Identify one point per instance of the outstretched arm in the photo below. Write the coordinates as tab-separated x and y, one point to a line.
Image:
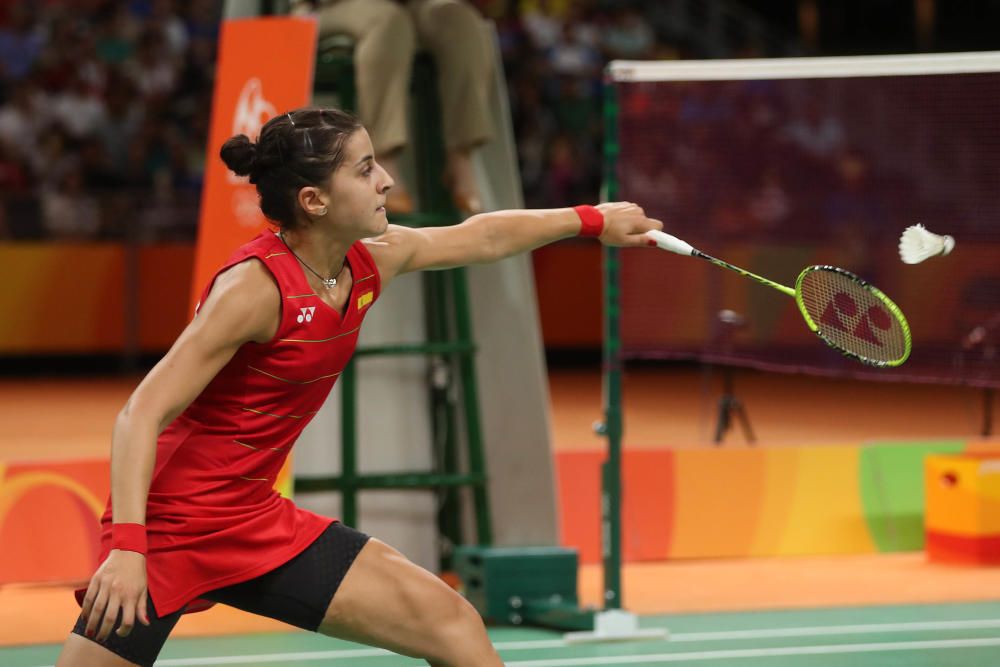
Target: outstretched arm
488	237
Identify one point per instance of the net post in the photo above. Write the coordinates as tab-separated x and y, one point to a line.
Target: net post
612	623
612	370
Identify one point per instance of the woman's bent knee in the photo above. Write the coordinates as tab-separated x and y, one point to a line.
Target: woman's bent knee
461	635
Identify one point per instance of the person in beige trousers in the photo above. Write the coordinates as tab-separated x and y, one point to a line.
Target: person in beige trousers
387	36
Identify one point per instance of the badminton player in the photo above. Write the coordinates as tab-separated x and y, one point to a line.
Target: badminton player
193	517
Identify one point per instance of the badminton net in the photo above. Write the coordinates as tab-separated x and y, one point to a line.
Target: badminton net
780	164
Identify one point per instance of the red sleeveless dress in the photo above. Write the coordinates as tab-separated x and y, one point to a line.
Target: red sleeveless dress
213	518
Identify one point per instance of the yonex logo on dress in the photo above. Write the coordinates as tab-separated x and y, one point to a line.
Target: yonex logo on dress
306	314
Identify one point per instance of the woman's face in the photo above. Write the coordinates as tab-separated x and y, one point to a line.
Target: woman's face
358	188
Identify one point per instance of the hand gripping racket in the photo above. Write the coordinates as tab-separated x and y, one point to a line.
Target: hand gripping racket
847	313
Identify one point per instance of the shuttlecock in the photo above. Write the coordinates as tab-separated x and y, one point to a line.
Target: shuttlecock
917	244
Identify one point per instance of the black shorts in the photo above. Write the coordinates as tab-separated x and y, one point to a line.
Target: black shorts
298	593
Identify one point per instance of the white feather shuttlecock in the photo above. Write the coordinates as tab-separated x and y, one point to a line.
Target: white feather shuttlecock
918	243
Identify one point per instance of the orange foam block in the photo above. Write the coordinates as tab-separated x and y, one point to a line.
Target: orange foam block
962	517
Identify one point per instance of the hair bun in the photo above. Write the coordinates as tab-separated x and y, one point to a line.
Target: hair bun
240	155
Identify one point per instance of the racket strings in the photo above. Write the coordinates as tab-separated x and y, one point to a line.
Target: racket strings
854	317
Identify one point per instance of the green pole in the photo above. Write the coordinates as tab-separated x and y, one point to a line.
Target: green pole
443	419
473	428
612	372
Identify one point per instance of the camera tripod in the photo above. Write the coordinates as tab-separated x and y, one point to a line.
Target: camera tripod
731	408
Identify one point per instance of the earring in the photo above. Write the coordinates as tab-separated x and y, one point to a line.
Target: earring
323	212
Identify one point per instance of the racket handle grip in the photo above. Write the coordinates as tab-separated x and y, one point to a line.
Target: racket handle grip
672	243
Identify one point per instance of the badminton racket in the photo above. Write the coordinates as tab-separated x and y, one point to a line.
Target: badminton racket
846	312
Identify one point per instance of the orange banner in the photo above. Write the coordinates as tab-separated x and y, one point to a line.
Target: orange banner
102	317
49	519
265	67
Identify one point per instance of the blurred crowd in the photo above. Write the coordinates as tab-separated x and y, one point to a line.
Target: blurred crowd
554	53
850	160
104	108
104	105
741	158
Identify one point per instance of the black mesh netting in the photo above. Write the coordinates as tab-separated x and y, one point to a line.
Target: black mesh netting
777	175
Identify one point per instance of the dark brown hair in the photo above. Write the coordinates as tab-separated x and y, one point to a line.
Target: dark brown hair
295	149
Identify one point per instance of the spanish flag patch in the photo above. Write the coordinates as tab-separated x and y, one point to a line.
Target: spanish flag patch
365	299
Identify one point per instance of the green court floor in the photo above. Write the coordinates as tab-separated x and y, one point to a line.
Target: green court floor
955	635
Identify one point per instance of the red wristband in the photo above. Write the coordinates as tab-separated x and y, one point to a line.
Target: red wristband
129	537
591	220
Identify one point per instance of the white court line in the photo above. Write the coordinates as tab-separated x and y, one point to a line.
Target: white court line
305	656
337	654
686	656
340	654
691	656
722	635
827	630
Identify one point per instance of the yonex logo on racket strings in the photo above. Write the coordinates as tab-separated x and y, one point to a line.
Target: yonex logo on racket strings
306	314
844	306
